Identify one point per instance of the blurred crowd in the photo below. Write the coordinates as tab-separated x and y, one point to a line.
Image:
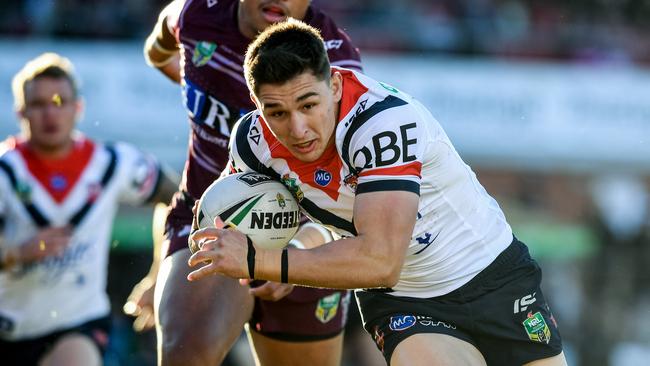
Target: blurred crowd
581	30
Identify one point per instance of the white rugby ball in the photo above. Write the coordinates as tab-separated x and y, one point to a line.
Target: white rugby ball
255	204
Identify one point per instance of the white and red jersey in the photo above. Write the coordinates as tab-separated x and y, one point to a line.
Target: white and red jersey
386	141
81	190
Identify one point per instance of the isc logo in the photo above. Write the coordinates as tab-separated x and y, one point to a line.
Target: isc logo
386	150
322	177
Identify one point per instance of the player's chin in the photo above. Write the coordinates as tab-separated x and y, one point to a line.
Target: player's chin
306	158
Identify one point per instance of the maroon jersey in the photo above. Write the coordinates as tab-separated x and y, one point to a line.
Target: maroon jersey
214	89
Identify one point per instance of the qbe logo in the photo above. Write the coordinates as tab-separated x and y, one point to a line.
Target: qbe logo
322	177
401	322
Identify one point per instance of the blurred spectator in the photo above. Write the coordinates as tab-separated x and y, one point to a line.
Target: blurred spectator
618	275
582	31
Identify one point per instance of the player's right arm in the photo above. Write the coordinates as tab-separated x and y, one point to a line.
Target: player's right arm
46	242
161	49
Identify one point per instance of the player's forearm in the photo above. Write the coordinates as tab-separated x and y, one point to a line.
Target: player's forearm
161	52
344	263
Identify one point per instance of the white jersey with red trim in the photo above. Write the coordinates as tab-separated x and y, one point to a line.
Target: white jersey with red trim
82	190
386	140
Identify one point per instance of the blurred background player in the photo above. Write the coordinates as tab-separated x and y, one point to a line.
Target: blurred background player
59	193
201	45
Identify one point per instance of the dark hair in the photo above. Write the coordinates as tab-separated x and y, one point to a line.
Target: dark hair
49	65
284	51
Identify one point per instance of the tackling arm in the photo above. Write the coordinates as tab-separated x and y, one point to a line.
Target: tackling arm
161	49
373	258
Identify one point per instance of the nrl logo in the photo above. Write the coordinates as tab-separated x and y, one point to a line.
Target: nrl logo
293	187
203	53
281	201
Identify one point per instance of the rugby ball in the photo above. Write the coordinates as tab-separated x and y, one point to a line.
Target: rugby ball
253	203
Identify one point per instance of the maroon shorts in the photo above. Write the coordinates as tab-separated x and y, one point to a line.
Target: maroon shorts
306	314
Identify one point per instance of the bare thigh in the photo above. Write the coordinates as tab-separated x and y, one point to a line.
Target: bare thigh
558	360
315	353
432	349
197	322
73	350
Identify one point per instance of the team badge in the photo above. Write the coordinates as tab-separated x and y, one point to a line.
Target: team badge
58	182
327	307
24	192
351	181
379	338
292	186
203	53
536	328
388	87
322	177
281	202
401	322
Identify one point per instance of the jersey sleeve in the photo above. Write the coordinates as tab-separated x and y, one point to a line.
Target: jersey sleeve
142	173
244	147
165	28
340	49
387	151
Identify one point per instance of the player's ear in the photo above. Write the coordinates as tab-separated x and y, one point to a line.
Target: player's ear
336	85
257	104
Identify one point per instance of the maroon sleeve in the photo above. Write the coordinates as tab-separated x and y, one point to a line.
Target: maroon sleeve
340	49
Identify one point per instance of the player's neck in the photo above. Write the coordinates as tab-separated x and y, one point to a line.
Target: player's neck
51	152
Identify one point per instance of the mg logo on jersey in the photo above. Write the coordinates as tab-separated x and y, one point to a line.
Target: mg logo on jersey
388	148
58	182
522	304
401	322
322	177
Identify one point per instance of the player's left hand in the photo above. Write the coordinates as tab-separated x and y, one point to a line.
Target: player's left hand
269	291
222	251
140	305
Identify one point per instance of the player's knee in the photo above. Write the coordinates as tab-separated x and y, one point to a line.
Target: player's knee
187	346
190	352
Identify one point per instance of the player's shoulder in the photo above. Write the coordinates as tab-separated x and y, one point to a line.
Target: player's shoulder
244	123
362	94
120	153
8	146
340	47
372	108
204	9
246	131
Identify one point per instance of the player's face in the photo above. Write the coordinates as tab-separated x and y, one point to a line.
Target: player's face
302	113
255	15
49	113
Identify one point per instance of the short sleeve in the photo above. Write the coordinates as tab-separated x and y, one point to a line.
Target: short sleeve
141	172
387	151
